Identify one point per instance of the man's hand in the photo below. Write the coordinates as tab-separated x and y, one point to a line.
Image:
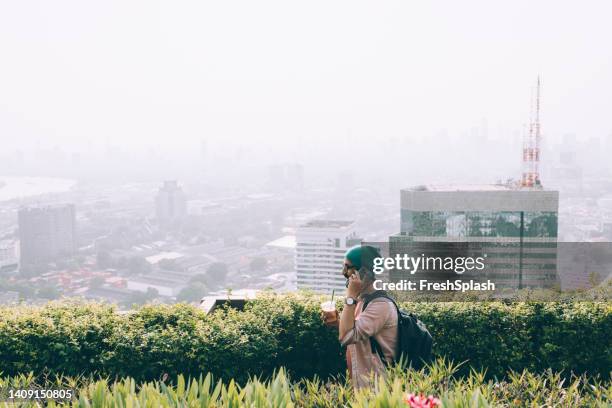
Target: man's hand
354	286
347	319
330	320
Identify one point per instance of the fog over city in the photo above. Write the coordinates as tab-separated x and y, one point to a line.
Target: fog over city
181	136
143	90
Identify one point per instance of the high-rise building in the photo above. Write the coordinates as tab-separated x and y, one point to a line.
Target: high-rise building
515	227
46	233
8	259
319	254
170	203
607	230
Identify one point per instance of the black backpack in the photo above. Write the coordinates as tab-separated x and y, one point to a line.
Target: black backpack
414	343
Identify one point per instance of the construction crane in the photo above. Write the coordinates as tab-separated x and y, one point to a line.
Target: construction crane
531	145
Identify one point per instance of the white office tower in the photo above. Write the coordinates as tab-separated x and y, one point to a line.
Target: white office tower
319	254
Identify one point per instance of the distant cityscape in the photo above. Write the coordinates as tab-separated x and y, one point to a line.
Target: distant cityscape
136	243
172	247
169	241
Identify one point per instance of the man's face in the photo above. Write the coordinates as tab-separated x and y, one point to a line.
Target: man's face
348	269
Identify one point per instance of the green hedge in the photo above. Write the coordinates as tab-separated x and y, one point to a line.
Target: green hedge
569	337
74	339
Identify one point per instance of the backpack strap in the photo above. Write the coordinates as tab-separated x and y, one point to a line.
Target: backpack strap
375	295
374	346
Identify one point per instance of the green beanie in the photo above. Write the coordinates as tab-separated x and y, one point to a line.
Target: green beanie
362	256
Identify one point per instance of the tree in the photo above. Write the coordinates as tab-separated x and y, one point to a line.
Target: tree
104	260
200	277
62	264
152	293
32	270
96	282
79	260
169	265
49	292
192	293
258	264
25	290
138	266
140	298
216	273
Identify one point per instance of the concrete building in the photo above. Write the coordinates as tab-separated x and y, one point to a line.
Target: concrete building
170	203
46	233
164	284
319	254
607	230
8	258
517	228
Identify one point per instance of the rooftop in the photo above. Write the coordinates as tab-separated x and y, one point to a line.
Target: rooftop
158	281
46	207
468	187
153	259
327	224
478	197
287	241
104	293
236	299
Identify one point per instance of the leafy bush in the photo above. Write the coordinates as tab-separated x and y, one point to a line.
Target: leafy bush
439	381
274	331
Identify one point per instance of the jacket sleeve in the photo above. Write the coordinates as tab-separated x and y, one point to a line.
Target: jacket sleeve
368	323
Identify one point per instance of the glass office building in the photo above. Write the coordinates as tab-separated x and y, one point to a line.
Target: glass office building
516	228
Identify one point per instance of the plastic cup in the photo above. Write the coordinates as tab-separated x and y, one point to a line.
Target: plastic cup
329	309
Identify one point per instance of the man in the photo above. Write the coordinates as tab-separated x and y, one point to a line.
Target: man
357	326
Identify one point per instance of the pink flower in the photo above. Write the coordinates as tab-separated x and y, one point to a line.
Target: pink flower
421	401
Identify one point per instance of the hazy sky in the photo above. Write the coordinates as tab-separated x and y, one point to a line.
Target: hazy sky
171	73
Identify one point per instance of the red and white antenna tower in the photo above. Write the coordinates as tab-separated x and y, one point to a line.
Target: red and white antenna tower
531	146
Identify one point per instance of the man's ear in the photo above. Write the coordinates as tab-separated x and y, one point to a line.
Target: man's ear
365	273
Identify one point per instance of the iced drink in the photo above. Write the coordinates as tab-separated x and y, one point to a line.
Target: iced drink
329	309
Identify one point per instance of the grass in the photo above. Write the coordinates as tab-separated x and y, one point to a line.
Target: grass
518	389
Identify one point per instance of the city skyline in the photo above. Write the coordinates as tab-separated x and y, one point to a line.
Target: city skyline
197	142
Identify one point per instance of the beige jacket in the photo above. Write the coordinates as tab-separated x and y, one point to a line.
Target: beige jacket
378	320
